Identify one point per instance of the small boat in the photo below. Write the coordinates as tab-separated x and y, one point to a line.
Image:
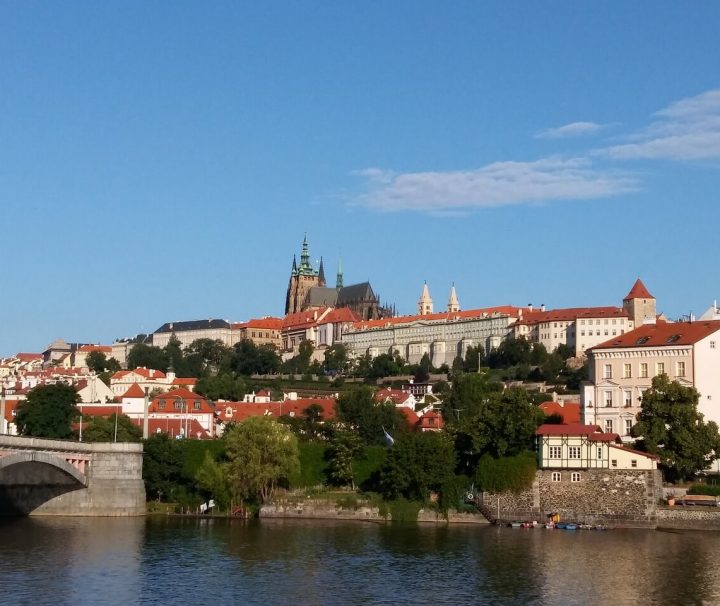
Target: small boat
560	525
515	524
570	526
549	525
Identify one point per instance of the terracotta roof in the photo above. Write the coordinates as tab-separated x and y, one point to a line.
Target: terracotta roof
397	396
569	411
638	291
663	335
29	357
95	410
571	314
135	391
341	314
592	432
243	410
184	381
146	373
186	396
265	323
453	316
302	319
410	416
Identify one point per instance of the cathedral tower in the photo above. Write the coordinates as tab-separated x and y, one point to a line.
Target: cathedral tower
425	304
453	303
302	279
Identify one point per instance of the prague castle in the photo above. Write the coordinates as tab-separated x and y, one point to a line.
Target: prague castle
307	289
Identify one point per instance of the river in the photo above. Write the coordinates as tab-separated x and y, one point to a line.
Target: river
295	562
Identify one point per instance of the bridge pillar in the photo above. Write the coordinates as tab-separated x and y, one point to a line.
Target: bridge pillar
53	477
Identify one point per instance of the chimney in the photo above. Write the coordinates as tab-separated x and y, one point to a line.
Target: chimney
530	306
542	306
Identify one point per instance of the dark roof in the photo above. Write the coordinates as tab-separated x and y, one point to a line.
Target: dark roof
192	325
321	296
355	292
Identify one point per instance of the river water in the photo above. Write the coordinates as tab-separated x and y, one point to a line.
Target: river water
294	562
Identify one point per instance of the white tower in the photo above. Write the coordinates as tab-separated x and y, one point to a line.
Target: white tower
453	303
425	304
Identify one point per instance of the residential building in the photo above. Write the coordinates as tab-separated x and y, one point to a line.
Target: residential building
81	354
621	369
148	378
182	404
261	331
583	446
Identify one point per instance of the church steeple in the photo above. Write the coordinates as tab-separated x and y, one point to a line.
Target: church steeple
321	273
453	303
305	267
339	276
425	304
294	267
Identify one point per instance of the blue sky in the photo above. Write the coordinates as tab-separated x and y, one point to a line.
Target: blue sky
161	161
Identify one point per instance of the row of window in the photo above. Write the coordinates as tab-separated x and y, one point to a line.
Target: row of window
597	332
555	452
178	405
643	370
610	426
597	322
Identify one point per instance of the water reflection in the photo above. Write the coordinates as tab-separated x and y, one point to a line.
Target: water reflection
190	561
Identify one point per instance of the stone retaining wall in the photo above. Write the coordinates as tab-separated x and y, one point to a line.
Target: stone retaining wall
617	498
689	518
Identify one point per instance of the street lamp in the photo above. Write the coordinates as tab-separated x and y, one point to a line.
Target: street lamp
183	407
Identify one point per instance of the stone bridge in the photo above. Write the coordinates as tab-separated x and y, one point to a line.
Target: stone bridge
55	477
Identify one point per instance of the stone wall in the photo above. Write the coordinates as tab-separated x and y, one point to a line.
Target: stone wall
40	481
617	498
689	518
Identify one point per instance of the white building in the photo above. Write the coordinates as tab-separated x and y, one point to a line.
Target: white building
621	369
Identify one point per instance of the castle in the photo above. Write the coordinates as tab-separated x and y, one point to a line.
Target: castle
307	289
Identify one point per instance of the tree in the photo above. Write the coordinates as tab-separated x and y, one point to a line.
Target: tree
208	357
102	429
336	359
249	359
147	356
424	368
467	395
670	426
357	409
261	454
473	358
221	387
48	411
344	448
384	365
213	481
418	463
163	467
98	362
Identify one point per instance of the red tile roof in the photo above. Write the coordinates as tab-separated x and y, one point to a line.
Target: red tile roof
410	416
243	410
28	357
185	396
569	411
341	314
453	316
592	432
663	335
570	314
135	391
100	348
638	291
396	396
184	381
146	373
303	319
95	410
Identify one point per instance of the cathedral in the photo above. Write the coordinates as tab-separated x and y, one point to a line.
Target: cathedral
307	289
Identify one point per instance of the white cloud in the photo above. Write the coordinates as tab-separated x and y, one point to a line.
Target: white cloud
574	129
497	184
686	130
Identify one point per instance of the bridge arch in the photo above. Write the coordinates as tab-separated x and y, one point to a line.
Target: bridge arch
43	458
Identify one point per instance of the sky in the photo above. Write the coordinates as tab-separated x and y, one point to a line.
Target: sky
162	161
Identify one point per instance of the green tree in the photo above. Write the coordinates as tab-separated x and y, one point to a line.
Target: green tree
98	362
102	429
418	463
249	359
336	359
221	387
474	357
212	479
467	394
163	467
208	357
358	410
147	356
261	454
344	448
384	365
48	411
510	353
670	426
423	370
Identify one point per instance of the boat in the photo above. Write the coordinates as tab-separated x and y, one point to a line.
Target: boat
560	525
570	526
515	524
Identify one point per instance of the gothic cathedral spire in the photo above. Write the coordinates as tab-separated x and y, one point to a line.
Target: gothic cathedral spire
453	303
425	304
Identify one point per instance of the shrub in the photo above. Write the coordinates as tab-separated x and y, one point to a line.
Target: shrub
513	474
706	489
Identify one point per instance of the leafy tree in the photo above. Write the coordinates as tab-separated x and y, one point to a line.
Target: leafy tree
98	362
48	411
357	409
473	358
221	387
384	365
102	429
148	356
670	426
510	353
423	370
418	463
249	359
564	351
176	358
363	366
261	454
213	481
538	355
467	395
163	467
336	359
208	356
516	473
344	448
